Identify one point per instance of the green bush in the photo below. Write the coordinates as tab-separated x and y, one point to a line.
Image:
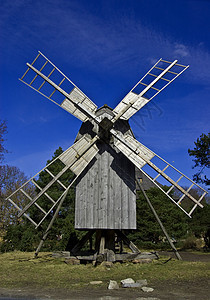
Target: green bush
189	243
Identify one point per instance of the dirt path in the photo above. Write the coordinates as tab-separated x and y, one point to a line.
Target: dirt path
185	290
188	256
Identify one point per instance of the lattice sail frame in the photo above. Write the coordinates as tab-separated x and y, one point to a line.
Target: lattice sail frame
141	156
75	101
135	100
76	158
44	77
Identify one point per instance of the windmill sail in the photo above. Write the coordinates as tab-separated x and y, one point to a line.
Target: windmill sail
109	182
45	78
155	80
75	158
142	156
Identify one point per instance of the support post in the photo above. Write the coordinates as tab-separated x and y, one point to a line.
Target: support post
130	244
51	223
81	243
159	221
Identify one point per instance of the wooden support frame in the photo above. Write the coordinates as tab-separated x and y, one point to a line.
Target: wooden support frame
81	243
130	244
51	222
159	221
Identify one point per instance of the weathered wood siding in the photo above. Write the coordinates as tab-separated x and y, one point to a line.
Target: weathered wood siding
105	193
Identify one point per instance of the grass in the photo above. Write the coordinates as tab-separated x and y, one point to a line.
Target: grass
19	269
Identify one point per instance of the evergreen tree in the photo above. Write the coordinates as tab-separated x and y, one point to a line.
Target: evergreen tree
24	237
201	153
200	224
148	229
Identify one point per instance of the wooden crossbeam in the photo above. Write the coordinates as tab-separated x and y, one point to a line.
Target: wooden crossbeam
36	204
51	174
43	190
34	182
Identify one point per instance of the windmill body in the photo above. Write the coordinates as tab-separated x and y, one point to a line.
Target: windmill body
106	189
104	155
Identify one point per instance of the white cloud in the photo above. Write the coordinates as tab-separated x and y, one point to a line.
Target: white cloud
82	38
181	50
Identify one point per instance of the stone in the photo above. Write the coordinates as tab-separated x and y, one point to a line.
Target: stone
99	258
113	285
59	254
107	264
110	255
96	282
147	289
72	261
94	263
143	282
131	285
127	280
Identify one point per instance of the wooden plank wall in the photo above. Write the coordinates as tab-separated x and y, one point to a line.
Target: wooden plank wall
106	193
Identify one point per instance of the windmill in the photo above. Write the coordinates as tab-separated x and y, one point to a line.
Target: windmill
103	157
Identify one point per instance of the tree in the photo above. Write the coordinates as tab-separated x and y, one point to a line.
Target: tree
23	236
11	179
64	223
201	152
200	224
148	229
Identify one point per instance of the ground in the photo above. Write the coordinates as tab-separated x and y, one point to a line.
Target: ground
169	289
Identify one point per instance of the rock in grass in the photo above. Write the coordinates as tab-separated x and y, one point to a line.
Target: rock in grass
107	264
72	261
127	280
96	282
113	285
143	282
131	285
147	289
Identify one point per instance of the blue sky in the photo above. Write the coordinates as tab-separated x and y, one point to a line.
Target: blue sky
104	47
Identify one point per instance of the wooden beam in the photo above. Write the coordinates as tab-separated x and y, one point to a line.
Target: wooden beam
159	221
130	244
81	243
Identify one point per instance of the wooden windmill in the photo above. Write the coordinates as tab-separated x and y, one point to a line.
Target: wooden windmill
104	156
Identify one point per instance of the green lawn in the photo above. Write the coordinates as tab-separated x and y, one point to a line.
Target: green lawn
19	269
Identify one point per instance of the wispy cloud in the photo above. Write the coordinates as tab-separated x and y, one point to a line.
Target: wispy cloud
82	37
181	50
176	126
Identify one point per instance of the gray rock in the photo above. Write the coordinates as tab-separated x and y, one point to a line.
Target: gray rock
72	261
96	282
107	264
147	289
127	280
113	285
65	254
143	282
131	285
110	255
99	258
94	263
